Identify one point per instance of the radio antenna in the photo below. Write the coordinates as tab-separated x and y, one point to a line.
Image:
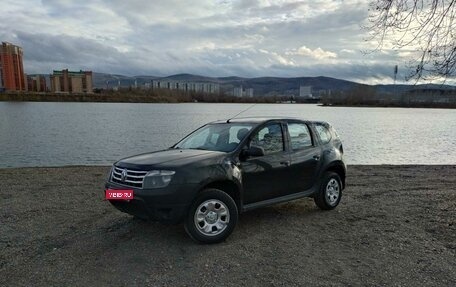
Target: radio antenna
240	113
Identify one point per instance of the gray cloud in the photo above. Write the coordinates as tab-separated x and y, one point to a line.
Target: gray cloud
217	38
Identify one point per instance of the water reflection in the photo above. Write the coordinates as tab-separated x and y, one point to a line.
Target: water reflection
54	134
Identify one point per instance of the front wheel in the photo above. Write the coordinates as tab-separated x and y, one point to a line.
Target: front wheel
330	193
212	216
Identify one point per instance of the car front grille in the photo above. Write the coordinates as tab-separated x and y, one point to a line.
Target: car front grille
128	177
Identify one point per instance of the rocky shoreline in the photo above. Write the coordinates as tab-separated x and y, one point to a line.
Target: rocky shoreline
396	225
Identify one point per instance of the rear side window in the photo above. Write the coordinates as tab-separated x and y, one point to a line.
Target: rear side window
269	138
299	136
323	133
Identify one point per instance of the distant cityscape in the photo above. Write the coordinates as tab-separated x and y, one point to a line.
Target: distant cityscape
13	78
326	90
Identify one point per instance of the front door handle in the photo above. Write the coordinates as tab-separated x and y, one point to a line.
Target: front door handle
285	163
316	157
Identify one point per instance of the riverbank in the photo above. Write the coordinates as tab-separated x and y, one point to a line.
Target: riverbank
396	225
142	96
418	97
177	97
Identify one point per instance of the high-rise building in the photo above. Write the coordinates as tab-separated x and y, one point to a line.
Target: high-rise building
12	76
240	92
71	82
237	92
305	91
248	92
1	79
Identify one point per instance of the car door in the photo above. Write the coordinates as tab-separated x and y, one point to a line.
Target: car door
305	156
265	177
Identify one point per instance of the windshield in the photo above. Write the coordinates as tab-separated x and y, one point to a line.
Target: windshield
216	137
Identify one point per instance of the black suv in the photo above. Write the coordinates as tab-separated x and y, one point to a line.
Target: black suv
228	167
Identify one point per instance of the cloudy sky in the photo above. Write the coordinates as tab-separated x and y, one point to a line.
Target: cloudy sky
249	38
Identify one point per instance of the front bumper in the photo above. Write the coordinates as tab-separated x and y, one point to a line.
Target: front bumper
167	205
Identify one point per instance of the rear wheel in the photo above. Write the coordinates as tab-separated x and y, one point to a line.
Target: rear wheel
330	193
212	217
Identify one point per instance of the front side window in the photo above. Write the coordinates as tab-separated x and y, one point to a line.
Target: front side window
216	137
324	133
299	136
270	138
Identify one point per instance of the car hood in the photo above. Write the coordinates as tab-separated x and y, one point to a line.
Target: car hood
167	157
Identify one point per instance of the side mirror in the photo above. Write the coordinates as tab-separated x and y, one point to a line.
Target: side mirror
254	151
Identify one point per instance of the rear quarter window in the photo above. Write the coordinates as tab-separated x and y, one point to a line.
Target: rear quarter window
323	132
299	136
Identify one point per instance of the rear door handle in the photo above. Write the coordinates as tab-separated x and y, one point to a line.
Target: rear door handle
285	163
316	157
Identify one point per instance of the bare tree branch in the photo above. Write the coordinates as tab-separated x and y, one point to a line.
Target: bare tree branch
425	26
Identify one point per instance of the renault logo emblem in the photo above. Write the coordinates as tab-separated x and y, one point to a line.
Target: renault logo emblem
123	175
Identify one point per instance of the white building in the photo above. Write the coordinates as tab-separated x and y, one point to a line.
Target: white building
210	88
305	91
240	92
248	92
237	92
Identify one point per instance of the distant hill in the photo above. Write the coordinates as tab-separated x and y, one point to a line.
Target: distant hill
190	78
262	86
288	86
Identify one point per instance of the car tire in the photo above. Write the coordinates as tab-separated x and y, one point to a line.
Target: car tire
330	192
211	217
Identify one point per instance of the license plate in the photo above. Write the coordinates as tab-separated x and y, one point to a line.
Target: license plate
119	194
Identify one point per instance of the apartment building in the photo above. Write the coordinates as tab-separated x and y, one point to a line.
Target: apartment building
12	77
204	87
71	82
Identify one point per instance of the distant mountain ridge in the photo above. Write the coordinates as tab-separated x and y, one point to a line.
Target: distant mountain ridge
262	86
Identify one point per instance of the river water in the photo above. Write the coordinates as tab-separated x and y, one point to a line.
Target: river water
57	134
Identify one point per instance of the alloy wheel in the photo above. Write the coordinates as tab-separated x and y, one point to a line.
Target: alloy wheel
211	217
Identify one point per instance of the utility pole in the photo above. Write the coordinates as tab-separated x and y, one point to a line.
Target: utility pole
395	74
395	86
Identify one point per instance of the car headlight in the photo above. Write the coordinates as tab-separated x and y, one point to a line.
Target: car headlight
158	178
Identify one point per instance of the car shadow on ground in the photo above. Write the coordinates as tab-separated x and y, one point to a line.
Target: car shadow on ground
128	228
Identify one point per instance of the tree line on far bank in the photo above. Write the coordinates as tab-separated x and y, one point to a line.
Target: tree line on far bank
359	95
131	95
364	95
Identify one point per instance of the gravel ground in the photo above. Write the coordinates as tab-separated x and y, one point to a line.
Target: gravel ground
395	226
